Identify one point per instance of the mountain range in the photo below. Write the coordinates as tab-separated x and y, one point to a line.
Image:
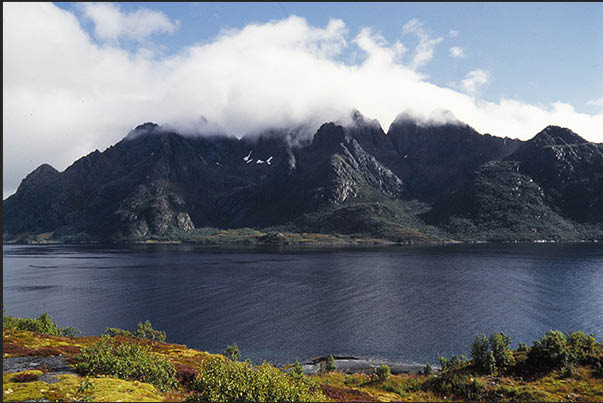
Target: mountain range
419	182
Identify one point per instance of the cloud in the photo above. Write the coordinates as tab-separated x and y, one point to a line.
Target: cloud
474	80
425	48
596	102
110	23
280	73
457	52
453	34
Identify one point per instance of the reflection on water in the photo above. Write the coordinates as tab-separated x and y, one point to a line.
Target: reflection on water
404	303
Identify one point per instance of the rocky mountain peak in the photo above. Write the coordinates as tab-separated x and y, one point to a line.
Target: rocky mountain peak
555	135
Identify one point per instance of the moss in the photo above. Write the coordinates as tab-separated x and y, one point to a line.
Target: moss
104	390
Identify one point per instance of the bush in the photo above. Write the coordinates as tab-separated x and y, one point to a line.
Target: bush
382	373
233	352
460	386
328	366
297	370
43	324
455	362
225	380
145	331
114	331
483	359
125	361
551	352
499	344
582	346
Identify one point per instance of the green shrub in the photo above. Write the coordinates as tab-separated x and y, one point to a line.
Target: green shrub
43	324
460	386
233	352
297	370
114	331
582	346
455	362
483	359
550	353
225	381
125	361
145	331
382	373
328	366
499	344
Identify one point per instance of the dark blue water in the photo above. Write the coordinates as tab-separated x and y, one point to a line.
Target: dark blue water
407	304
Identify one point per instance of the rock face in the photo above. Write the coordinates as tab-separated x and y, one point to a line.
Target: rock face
350	179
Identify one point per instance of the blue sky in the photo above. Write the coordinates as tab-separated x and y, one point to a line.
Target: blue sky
78	76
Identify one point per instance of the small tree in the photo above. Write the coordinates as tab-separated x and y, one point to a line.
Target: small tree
233	352
382	373
499	343
328	366
483	361
145	331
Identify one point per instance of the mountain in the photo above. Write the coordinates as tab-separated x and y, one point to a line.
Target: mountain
417	182
551	187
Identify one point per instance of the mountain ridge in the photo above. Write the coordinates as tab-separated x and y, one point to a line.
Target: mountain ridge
412	183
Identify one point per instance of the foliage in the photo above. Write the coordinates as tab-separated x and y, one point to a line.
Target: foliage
233	351
328	366
382	373
459	385
550	352
427	370
145	331
500	346
297	370
582	345
86	390
455	362
43	324
491	355
483	361
125	361
225	380
114	331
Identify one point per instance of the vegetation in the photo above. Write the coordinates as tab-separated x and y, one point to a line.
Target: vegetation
382	373
43	324
557	367
143	331
226	380
125	361
328	365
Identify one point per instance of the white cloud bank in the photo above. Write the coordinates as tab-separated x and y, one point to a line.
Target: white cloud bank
65	95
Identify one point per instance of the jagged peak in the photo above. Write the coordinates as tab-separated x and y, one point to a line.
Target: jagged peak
556	135
437	118
145	128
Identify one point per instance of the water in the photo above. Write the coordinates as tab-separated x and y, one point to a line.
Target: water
407	304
